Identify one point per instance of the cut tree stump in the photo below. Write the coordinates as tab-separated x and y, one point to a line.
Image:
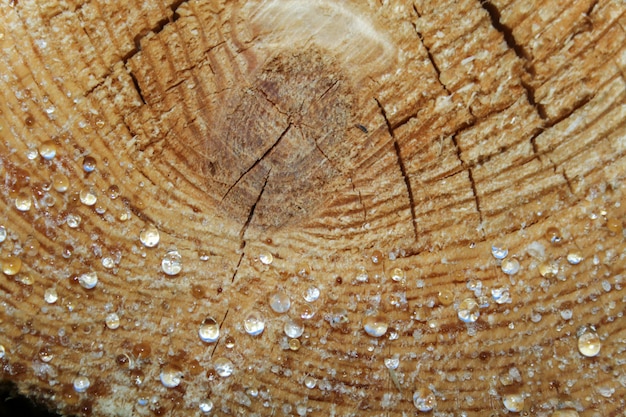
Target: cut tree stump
321	208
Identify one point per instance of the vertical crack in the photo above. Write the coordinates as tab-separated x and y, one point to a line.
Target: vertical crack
242	233
471	178
360	200
530	95
430	55
137	88
407	181
218	340
569	183
476	200
507	34
243	253
533	143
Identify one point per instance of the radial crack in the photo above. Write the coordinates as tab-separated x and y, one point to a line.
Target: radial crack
267	152
405	176
476	198
360	200
507	32
242	247
242	233
569	183
218	340
137	88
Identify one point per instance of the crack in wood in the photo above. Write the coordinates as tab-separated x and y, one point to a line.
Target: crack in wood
568	182
360	199
507	34
332	165
218	340
429	54
242	233
405	176
468	168
267	152
476	198
156	29
506	31
137	88
243	253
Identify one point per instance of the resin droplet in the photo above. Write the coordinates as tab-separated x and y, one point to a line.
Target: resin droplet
310	382
614	225
424	399
510	266
224	367
307	312
554	236
254	324
113	192
45	354
2	351
468	310
445	297
31	246
311	294
3	234
209	330
112	321
88	280
11	265
338	318
375	325
229	342
548	269
50	295
589	344
48	150
513	402
392	363
60	182
266	258
171	376
294	344
498	252
397	274
172	263
89	164
574	258
142	350
87	197
150	236
206	406
73	220
280	302
81	383
501	295
293	328
23	202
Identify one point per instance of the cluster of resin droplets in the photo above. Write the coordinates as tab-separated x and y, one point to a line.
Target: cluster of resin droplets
373	323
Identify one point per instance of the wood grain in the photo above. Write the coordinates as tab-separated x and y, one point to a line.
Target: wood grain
345	140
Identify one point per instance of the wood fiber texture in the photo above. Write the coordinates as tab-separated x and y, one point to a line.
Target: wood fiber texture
380	152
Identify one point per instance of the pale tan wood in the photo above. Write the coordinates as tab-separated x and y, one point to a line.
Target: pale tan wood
326	134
